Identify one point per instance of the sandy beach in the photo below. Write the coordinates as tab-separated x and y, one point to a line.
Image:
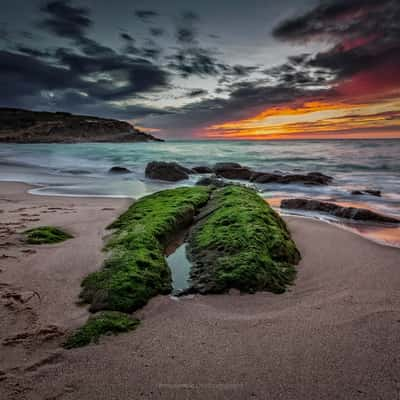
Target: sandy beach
333	335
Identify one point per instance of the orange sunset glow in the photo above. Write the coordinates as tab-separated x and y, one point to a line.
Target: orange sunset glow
316	120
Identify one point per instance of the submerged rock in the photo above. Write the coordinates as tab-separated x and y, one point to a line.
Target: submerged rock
119	170
167	171
359	214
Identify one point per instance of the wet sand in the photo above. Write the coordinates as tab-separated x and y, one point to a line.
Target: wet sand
334	335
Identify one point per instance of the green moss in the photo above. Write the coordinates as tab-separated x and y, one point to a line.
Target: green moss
107	322
243	244
135	269
46	235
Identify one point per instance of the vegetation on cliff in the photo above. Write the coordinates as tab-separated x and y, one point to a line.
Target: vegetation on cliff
24	126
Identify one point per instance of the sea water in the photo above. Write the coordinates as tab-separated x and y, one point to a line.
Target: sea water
82	169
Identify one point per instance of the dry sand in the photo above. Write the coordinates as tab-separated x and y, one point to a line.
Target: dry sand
334	335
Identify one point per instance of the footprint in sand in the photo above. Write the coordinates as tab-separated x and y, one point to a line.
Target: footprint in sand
29	251
38	336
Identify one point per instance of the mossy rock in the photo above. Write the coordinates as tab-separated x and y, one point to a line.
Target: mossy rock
243	243
135	269
104	323
46	235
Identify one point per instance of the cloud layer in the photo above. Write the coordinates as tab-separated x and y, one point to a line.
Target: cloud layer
174	77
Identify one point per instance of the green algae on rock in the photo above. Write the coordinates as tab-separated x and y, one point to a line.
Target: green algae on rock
135	269
103	323
46	235
242	243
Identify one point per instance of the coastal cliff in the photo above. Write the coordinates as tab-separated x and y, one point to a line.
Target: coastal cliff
23	126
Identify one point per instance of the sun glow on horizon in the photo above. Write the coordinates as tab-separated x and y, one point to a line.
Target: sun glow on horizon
316	119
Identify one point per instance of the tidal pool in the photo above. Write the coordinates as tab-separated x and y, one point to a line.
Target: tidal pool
180	269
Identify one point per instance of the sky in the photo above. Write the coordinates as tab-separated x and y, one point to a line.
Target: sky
226	69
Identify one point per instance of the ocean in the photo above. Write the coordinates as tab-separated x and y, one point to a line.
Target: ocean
82	169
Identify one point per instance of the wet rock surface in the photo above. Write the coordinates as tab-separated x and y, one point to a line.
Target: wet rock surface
376	193
166	171
119	170
172	171
359	214
212	181
312	178
202	169
232	171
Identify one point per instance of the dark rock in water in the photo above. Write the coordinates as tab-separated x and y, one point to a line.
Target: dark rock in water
226	165
264	177
359	214
202	169
313	178
211	181
119	170
232	171
376	193
166	171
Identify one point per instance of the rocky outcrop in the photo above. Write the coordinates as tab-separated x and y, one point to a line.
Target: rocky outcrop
237	171
23	126
376	193
312	178
202	169
238	241
212	181
232	171
359	214
166	171
119	170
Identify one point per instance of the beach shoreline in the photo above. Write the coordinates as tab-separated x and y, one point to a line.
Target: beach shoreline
333	335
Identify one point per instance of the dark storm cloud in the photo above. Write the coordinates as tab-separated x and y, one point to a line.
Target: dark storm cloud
195	61
65	20
243	71
23	75
245	99
157	32
128	38
186	31
365	35
28	82
146	15
338	18
126	75
4	34
33	52
197	93
89	75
